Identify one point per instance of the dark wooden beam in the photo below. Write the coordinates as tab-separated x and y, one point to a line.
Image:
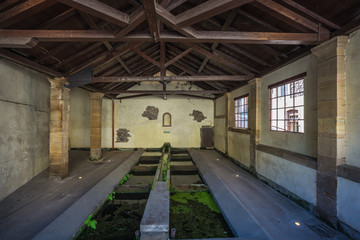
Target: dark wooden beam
260	21
312	14
207	10
184	53
50	53
153	22
229	58
225	27
205	78
162	59
170	20
136	18
100	10
22	11
134	96
201	37
156	63
28	63
167	92
175	4
57	19
247	54
293	16
7	3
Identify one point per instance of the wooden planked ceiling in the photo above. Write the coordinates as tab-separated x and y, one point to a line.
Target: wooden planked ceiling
217	45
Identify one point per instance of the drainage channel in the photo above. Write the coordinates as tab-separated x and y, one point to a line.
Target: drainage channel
162	197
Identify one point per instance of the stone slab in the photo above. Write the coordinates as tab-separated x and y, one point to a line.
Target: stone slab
156	215
70	221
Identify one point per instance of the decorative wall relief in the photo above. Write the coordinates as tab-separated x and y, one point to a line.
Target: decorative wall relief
122	135
198	116
151	112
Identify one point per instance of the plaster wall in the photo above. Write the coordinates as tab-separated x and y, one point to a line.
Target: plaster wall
219	124
305	143
348	198
294	177
79	120
239	147
24	125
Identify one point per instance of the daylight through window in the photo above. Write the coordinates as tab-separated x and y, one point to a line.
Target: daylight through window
241	112
287	105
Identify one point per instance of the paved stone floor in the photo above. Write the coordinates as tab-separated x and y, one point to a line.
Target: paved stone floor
24	213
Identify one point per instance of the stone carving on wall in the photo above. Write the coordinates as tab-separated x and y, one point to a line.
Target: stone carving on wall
198	116
122	135
151	112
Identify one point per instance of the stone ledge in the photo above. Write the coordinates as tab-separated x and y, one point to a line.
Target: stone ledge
239	130
349	172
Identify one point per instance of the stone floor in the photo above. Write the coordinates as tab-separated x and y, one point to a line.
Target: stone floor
27	211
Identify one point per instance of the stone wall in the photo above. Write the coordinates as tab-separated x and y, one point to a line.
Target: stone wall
24	125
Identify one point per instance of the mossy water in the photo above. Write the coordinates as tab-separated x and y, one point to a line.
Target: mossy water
116	221
196	215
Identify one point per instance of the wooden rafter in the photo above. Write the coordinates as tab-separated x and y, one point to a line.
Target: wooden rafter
153	23
206	10
100	10
167	92
136	18
22	11
184	53
156	63
57	19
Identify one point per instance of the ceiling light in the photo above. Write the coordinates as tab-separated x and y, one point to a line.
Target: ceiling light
297	224
80	177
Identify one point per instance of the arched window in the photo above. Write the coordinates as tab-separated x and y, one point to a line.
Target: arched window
166	120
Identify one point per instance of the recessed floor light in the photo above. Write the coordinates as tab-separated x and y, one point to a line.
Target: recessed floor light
80	177
297	224
236	175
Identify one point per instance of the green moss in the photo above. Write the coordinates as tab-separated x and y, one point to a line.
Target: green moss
201	197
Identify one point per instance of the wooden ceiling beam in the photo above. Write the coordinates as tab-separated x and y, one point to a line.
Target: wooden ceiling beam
28	63
22	11
7	3
136	18
225	27
57	19
170	20
153	22
156	63
50	53
247	54
207	10
179	56
100	10
198	78
90	21
162	59
260	21
175	4
201	37
312	14
229	58
293	16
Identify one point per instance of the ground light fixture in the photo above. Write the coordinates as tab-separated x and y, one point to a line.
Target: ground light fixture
297	223
80	177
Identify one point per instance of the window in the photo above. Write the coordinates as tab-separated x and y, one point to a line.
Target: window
167	120
287	105
241	112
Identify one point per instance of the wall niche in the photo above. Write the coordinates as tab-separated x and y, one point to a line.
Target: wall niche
166	120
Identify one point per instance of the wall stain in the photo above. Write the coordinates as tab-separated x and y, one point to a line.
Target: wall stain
151	113
122	135
198	115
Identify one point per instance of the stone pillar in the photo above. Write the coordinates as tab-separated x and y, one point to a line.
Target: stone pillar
331	123
95	125
254	119
227	120
59	129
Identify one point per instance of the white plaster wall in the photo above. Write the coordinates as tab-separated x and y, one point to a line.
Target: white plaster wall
79	120
348	199
239	147
353	100
294	177
24	125
301	143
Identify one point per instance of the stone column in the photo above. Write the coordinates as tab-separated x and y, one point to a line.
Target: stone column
59	128
95	125
254	119
227	120
331	123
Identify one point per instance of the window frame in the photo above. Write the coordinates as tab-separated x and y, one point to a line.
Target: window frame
247	111
293	107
